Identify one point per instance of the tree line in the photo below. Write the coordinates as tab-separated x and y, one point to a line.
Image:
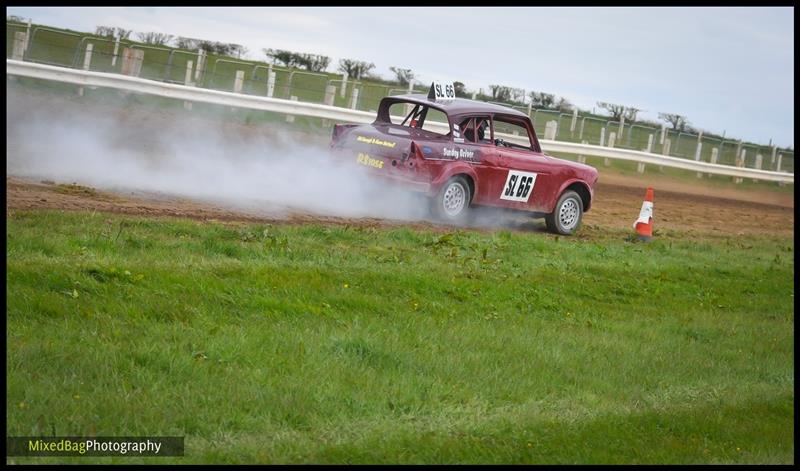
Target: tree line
163	39
360	70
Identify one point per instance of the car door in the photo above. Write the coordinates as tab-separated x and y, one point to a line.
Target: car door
485	159
525	173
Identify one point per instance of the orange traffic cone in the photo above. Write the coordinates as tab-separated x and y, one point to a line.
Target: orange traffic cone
644	225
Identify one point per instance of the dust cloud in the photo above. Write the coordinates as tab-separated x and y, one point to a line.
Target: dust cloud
140	149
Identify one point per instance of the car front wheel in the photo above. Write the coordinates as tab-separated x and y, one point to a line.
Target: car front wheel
451	204
566	216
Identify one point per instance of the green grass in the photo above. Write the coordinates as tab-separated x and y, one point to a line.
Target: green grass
341	344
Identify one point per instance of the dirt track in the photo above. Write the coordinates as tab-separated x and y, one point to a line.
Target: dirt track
616	207
679	205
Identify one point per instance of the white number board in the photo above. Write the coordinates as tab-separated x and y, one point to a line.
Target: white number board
519	186
441	91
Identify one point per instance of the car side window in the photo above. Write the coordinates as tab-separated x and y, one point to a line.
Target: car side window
476	130
467	127
414	115
483	129
436	122
510	132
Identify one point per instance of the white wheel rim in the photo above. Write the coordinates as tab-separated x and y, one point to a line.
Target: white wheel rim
454	199
568	214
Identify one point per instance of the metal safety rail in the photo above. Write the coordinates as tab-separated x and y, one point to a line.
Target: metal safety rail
290	107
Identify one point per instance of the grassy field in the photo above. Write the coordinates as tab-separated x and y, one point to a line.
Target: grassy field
349	344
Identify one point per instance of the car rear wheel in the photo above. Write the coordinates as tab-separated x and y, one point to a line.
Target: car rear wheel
566	216
451	204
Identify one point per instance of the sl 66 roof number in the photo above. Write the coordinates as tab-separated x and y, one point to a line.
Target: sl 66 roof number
444	91
519	186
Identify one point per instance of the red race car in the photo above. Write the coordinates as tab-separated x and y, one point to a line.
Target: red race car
462	153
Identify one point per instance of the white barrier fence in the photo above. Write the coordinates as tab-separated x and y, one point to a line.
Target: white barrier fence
276	105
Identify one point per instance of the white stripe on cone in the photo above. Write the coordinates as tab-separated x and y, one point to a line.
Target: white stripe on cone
645	214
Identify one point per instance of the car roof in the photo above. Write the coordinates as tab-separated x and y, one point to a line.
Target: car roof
459	106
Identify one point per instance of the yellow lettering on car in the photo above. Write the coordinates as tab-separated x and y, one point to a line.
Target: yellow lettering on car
365	159
376	141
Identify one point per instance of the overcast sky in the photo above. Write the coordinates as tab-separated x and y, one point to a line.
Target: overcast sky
726	69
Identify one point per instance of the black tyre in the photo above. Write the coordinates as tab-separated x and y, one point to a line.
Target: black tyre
451	204
566	216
